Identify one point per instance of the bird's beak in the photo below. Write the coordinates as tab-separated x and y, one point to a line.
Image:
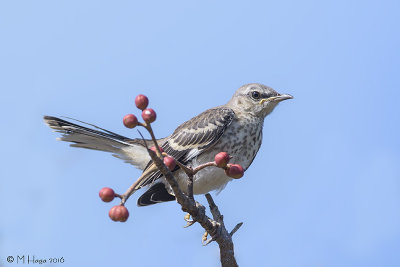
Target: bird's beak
277	98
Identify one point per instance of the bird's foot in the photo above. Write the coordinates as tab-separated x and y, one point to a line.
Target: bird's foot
214	235
204	239
189	222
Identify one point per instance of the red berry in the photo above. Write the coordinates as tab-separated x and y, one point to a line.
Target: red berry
130	121
235	171
113	213
141	102
222	159
106	194
170	162
149	115
119	213
155	150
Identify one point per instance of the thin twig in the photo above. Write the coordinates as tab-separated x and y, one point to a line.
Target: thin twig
190	186
236	228
202	166
134	186
150	130
214	209
187	169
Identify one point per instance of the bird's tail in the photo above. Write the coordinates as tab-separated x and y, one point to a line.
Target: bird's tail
131	150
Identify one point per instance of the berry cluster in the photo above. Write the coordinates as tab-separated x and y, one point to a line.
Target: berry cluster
148	114
117	213
120	212
235	171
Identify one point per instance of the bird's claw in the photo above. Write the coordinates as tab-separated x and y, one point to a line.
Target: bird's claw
189	222
214	236
187	217
204	239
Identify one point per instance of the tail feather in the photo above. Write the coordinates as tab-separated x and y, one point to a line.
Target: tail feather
155	194
131	150
85	137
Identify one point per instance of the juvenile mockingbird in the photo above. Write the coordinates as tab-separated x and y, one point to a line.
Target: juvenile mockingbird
235	127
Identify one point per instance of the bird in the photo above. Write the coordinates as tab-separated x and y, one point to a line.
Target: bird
235	127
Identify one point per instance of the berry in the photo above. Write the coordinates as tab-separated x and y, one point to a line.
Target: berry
222	159
113	214
130	121
235	171
106	194
149	115
119	213
155	150
170	162
141	102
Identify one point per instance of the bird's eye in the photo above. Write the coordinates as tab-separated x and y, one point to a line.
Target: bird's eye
255	95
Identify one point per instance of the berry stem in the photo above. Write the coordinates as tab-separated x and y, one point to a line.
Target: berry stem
133	187
153	137
187	169
190	172
205	165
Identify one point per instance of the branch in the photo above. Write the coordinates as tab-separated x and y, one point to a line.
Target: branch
215	226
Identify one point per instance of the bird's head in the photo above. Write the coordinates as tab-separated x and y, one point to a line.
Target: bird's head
256	99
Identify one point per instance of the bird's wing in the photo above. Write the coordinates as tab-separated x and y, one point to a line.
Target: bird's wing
198	134
194	137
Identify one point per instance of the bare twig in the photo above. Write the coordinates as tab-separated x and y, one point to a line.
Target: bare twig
214	209
150	130
134	186
236	228
190	186
187	169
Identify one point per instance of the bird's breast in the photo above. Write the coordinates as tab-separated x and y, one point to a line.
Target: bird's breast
241	141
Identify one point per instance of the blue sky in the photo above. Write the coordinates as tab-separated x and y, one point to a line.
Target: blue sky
324	189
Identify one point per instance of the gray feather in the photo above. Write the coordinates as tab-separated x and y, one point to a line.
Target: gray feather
132	151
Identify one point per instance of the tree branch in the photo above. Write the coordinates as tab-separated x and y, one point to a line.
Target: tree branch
215	227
